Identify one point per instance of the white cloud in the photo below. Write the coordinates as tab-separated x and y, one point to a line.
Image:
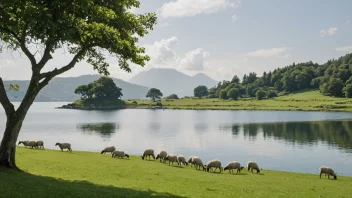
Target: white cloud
267	52
344	49
186	8
329	32
234	18
194	60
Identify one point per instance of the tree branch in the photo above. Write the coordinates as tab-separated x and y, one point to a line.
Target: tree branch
4	100
47	76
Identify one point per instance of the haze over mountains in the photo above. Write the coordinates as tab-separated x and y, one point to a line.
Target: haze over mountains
171	81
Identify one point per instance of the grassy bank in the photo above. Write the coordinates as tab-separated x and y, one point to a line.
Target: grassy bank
83	174
305	101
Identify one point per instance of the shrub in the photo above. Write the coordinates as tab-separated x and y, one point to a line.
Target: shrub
233	93
223	94
272	94
260	94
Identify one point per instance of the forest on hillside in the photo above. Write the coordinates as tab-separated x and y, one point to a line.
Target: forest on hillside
334	78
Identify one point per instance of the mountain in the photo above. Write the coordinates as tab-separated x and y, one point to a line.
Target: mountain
171	81
62	89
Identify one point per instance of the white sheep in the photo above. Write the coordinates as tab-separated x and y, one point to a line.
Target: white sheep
328	171
233	165
119	154
148	153
25	143
213	164
171	158
31	144
197	162
39	144
64	146
181	160
190	160
253	165
162	155
108	149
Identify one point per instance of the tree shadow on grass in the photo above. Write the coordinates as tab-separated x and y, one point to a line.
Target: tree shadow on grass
21	184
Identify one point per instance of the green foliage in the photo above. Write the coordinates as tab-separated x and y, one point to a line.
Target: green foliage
200	91
14	87
348	91
233	93
154	93
223	94
333	87
103	88
271	94
89	174
172	97
260	94
235	79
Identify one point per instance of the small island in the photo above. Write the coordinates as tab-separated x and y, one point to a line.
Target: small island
102	94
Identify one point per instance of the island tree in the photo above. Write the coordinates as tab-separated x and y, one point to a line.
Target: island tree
154	93
103	88
88	30
200	91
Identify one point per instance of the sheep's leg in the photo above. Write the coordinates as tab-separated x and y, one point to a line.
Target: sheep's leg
328	175
320	174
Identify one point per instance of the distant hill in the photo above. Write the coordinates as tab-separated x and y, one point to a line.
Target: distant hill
62	89
171	81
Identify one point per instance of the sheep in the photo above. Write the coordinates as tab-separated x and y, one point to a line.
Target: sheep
108	149
328	171
162	155
253	165
64	146
197	162
181	160
233	165
190	160
119	154
213	164
31	144
39	144
25	143
171	158
148	153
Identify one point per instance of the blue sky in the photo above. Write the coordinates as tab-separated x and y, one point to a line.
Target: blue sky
222	38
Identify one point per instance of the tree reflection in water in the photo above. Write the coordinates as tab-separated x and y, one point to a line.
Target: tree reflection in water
105	130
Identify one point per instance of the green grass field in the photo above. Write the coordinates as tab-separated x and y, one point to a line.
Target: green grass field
52	173
305	101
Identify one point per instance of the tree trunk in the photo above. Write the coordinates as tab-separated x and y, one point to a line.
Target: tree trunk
8	143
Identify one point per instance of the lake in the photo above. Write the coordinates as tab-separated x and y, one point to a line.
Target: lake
279	140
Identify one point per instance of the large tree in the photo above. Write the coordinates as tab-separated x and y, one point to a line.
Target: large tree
87	29
103	88
154	93
200	91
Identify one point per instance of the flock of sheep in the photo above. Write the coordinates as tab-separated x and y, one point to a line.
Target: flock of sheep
180	159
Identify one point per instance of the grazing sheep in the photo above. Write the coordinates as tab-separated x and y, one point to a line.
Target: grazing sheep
190	160
148	153
171	158
213	164
39	144
119	154
31	144
253	165
162	155
25	143
181	160
108	149
197	162
64	146
233	165
328	171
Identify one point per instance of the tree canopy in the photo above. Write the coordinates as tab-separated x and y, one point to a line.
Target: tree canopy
154	93
200	91
89	30
103	88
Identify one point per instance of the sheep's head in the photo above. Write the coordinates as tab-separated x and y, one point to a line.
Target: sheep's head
57	144
158	156
127	156
242	167
226	168
142	157
20	142
258	170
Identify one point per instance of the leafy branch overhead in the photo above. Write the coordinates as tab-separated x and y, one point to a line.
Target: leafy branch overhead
13	87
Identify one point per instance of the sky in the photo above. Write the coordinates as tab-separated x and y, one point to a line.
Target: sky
223	38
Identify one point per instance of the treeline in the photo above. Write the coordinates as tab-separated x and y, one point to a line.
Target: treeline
333	78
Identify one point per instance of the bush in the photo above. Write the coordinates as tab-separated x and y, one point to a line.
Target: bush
134	103
233	93
260	94
272	94
172	96
348	91
223	94
159	104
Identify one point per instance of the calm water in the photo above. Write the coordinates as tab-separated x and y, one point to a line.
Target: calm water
289	141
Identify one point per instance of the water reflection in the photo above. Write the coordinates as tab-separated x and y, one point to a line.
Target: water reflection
105	130
334	133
